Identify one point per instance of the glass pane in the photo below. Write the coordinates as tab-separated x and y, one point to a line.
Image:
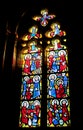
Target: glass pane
31	87
30	113
58	112
57	60
57	85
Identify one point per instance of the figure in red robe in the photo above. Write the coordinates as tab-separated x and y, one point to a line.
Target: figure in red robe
65	113
63	65
24	118
28	93
50	116
50	61
38	62
60	90
37	110
27	64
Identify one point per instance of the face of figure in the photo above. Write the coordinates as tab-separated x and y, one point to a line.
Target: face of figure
60	82
44	16
55	103
34	30
52	77
24	104
54	59
50	109
33	58
63	74
26	78
36	78
39	57
28	56
64	102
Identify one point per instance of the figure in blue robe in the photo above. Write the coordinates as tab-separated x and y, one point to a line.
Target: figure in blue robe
36	91
34	120
33	65
57	117
52	91
54	66
24	88
33	47
33	32
57	31
65	82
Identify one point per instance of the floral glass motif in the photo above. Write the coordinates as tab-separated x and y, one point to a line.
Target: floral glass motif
55	30
30	60
58	113
33	33
44	18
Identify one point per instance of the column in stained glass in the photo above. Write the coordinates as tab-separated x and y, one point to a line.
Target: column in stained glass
58	103
30	59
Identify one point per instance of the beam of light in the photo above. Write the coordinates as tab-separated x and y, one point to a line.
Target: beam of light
14	57
4	54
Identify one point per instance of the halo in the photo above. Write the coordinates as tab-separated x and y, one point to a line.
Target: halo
35	77
64	52
59	81
36	102
33	27
55	41
51	76
26	77
61	102
27	104
38	57
52	53
32	42
55	101
28	55
44	11
53	25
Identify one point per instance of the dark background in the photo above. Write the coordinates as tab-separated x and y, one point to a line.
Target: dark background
69	14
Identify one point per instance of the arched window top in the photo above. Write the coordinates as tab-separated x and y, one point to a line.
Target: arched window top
33	33
55	30
43	19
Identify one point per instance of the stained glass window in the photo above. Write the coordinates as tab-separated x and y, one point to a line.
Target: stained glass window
30	60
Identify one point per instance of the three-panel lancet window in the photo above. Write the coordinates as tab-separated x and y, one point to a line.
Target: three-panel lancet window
39	55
